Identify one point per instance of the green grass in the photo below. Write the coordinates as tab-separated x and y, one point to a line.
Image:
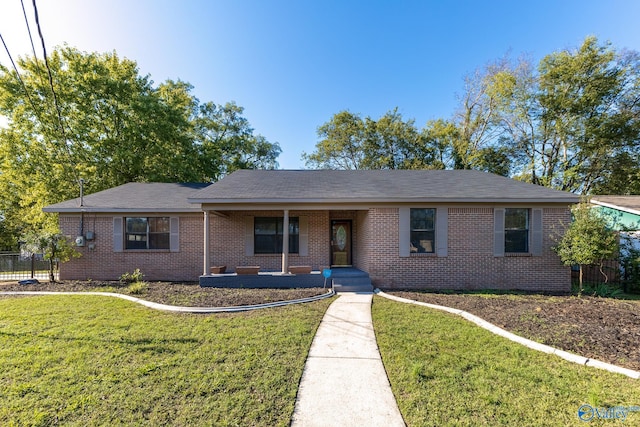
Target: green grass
446	371
85	360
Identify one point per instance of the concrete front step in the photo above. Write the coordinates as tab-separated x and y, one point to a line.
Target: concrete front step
351	280
352	288
355	281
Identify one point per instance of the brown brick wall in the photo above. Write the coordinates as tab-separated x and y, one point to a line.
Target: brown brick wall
102	263
470	263
362	255
228	241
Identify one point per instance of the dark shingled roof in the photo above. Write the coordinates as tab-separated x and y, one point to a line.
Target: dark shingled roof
156	196
318	186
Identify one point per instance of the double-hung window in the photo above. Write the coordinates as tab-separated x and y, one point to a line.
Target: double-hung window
268	234
516	230
423	231
147	233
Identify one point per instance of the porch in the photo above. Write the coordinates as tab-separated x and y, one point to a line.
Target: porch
345	279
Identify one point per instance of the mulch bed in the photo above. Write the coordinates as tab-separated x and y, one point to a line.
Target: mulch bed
183	294
599	328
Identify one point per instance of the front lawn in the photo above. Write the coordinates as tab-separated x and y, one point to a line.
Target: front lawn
445	370
606	329
92	360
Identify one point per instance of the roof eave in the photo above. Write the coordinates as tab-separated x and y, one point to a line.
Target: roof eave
614	206
497	200
87	209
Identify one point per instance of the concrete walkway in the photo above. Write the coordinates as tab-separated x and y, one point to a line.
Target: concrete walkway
344	382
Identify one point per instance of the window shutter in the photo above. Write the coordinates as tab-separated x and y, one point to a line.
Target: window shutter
117	234
536	232
303	236
442	229
248	235
498	232
404	231
174	234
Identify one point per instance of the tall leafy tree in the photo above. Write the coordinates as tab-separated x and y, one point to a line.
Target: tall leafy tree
475	146
585	114
394	143
571	124
441	136
110	126
341	145
390	142
227	142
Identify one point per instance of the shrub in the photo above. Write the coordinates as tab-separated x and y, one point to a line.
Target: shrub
136	276
599	290
137	288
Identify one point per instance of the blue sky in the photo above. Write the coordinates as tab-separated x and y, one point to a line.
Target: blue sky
293	64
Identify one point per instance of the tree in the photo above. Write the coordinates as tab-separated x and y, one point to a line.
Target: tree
575	122
54	247
441	136
390	142
587	241
227	143
477	119
572	124
586	115
110	126
341	145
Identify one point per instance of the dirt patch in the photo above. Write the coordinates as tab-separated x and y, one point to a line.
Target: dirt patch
599	328
183	294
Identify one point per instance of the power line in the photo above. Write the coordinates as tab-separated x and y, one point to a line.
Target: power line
26	20
55	97
46	63
18	75
33	48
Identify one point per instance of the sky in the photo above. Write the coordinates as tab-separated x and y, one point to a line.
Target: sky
292	65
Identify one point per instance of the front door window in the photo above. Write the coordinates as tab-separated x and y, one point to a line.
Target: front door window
340	243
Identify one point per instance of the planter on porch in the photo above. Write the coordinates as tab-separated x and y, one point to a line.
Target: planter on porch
300	269
247	269
218	269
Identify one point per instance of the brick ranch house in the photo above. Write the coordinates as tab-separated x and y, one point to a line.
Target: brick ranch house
408	229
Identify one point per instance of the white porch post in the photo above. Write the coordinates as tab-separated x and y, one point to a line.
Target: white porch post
206	260
285	242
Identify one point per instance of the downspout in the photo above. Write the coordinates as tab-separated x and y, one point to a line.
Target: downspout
81	233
